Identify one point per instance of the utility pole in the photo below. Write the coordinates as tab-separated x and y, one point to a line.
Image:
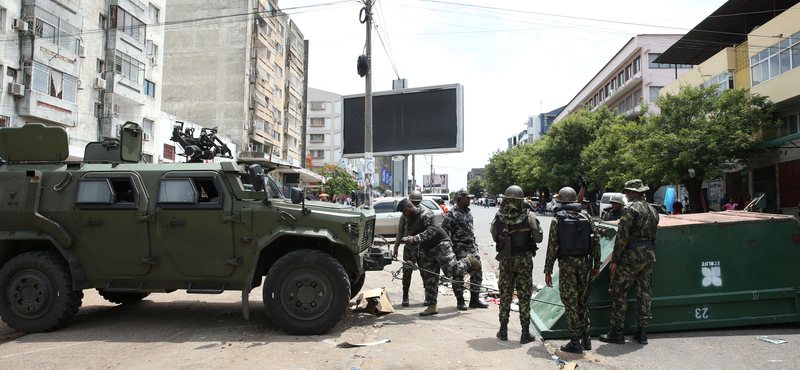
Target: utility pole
413	171
431	184
369	164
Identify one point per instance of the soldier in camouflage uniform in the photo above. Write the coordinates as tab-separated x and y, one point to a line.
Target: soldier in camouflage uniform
573	240
516	231
429	281
632	263
458	224
614	212
426	234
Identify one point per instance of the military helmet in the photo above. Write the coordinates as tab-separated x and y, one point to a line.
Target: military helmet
567	195
617	198
415	196
514	192
462	193
635	185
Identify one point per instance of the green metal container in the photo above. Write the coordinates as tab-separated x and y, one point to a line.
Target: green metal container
712	270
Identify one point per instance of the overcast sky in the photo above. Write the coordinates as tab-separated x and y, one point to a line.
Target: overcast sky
514	58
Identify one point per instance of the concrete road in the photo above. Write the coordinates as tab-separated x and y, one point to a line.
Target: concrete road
183	331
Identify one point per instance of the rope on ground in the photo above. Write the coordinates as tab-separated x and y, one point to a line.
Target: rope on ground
469	286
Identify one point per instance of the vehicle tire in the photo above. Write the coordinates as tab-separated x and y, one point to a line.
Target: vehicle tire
122	297
37	292
356	284
306	292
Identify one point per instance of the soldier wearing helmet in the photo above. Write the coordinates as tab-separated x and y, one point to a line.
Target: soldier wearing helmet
458	224
614	212
632	263
429	281
574	241
516	231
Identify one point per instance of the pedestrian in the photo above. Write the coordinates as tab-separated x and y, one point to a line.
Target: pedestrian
431	283
516	231
425	234
723	201
685	205
574	241
614	212
632	263
677	207
443	207
458	224
730	206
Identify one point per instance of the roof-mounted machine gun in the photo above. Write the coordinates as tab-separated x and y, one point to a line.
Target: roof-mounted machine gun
205	147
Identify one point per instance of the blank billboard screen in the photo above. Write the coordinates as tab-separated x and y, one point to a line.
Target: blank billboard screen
408	121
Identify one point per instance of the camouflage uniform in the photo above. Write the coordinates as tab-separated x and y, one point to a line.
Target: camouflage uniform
518	273
634	254
458	224
573	284
612	215
442	252
407	272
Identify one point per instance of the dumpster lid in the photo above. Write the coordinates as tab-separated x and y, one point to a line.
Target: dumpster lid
718	217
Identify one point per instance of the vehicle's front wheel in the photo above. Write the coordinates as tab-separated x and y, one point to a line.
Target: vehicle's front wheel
306	292
122	297
38	294
356	284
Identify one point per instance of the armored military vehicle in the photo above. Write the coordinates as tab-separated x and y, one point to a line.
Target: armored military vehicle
129	229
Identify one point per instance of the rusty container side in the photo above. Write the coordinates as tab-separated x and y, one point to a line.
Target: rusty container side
712	270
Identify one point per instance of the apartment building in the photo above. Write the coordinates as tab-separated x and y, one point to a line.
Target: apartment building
759	50
630	77
240	68
87	66
324	129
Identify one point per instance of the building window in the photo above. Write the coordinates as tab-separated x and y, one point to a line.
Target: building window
102	21
5	121
316	105
316	138
654	65
628	72
317	153
724	79
153	12
50	27
621	79
775	60
98	109
637	96
169	152
2	19
147	126
11	72
317	122
150	88
129	67
101	66
637	65
614	84
654	92
54	83
127	23
791	125
152	49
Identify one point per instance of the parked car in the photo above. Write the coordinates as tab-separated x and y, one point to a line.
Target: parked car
491	202
552	205
387	218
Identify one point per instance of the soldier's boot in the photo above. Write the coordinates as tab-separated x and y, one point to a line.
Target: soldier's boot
475	301
405	298
586	341
461	303
574	346
614	336
641	335
502	334
431	310
475	262
526	336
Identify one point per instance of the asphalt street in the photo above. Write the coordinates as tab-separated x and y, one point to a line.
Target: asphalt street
187	331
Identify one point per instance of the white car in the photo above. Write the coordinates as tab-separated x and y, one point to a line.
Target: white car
387	218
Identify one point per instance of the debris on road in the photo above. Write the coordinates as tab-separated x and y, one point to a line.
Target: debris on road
772	340
374	301
347	344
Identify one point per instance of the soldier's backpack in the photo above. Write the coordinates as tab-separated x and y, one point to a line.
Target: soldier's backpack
574	234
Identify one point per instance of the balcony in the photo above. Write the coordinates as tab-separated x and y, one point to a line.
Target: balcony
45	108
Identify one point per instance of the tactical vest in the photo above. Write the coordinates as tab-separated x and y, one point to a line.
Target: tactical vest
574	231
521	241
417	226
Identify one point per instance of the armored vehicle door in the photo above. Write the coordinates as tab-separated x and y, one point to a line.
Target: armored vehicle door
111	222
193	223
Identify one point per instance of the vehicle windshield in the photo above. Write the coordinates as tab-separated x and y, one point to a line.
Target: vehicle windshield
273	189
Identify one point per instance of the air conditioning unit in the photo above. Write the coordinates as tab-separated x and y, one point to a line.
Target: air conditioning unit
16	89
99	83
20	25
154	61
81	51
146	136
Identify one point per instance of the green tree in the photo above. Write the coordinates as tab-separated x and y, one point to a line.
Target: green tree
337	180
500	171
700	132
611	158
476	187
560	163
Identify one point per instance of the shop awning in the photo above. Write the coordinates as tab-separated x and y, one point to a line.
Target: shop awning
305	175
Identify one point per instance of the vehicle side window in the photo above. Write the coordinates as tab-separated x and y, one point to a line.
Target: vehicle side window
194	192
385	207
430	205
106	193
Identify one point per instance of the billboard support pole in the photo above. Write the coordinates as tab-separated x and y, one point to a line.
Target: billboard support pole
368	160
